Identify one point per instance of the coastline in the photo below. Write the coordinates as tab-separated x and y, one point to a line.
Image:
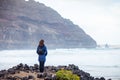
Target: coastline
26	72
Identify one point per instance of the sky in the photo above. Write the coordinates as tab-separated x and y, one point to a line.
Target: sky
98	18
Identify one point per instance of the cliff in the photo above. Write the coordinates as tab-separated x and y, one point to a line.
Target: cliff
24	23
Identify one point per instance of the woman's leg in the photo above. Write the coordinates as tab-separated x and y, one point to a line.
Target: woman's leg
41	66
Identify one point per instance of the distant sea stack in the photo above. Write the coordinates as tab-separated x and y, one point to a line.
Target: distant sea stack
24	23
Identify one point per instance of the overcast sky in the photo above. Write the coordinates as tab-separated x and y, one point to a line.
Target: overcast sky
98	18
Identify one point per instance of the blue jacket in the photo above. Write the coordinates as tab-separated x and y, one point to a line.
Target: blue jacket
44	50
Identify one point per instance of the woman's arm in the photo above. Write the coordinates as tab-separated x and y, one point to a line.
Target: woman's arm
46	51
37	50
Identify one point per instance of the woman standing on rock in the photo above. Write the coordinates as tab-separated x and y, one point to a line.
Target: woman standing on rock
42	53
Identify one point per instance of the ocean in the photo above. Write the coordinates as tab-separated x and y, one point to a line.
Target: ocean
97	62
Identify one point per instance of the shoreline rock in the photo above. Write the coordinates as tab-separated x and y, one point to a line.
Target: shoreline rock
26	72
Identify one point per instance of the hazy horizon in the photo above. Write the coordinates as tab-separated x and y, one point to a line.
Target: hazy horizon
98	18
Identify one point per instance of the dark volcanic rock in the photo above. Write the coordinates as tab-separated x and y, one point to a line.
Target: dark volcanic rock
23	23
49	74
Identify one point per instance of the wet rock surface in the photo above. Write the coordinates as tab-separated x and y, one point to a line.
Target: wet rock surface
26	72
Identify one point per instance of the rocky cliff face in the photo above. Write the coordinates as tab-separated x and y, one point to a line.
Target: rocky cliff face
24	23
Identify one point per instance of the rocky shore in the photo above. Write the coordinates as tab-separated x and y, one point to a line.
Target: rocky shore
26	72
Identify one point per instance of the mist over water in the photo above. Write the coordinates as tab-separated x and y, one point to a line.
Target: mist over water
97	62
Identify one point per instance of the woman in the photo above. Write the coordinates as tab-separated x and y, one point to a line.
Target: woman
42	53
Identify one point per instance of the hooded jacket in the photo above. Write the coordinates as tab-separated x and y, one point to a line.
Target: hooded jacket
43	49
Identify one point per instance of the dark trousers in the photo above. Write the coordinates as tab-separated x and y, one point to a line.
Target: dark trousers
41	66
